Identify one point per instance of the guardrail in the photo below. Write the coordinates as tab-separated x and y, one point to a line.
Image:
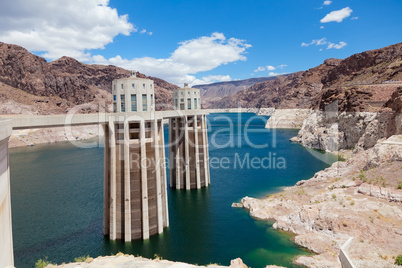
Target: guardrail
344	258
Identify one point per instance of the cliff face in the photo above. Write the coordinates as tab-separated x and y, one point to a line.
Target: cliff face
292	91
357	198
299	89
214	92
73	82
341	120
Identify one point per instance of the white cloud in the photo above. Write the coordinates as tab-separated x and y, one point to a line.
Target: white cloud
327	2
336	46
145	31
61	28
197	55
259	69
322	27
211	79
323	42
355	18
273	74
337	15
269	68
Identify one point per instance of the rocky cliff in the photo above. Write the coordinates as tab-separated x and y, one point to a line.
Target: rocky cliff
358	198
344	119
30	85
66	79
214	92
299	89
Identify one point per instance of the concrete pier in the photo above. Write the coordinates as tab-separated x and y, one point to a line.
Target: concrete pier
135	202
188	142
6	237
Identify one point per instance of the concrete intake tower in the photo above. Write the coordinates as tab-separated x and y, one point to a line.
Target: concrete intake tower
188	142
135	181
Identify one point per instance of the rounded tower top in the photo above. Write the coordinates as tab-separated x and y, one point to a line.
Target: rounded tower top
186	98
133	94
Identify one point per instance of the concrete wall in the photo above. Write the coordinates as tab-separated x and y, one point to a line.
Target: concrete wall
6	238
346	262
258	111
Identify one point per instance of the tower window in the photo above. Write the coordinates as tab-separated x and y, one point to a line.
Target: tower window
144	102
188	104
122	103
195	103
133	102
133	85
122	86
143	86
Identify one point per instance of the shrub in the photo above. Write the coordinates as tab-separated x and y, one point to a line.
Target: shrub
41	263
81	259
362	176
352	202
334	196
398	260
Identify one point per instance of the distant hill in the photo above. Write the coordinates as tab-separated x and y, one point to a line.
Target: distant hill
211	93
30	84
359	72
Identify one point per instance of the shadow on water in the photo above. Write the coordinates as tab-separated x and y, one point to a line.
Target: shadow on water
57	199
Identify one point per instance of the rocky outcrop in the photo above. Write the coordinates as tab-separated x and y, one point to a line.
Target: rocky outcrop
287	118
124	260
330	131
66	77
214	92
357	198
341	123
299	89
69	80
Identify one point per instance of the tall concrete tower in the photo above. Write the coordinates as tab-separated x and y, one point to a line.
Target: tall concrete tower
188	142
135	190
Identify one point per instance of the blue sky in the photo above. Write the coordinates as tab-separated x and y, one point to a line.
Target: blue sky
202	41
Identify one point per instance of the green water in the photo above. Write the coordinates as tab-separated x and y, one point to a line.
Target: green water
57	201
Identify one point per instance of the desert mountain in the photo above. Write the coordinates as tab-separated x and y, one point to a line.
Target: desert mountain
363	74
27	79
211	93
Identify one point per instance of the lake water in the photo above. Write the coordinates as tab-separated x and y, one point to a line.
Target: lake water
57	200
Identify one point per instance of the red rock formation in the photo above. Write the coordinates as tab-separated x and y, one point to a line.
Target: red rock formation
298	90
75	82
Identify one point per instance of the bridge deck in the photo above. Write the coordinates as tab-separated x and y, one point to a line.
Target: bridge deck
46	121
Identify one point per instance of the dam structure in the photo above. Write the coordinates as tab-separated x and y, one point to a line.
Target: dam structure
135	180
188	141
135	191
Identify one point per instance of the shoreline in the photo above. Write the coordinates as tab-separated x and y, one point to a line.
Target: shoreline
324	211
